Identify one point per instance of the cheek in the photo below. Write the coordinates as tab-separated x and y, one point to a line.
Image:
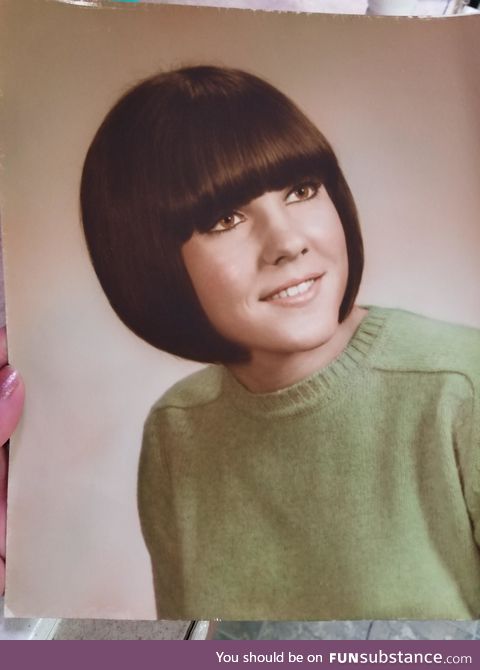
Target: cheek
341	257
342	253
330	242
216	280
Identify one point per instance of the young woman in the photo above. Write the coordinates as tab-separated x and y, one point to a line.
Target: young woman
327	465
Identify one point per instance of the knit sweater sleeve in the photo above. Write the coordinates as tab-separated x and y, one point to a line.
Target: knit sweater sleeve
467	438
156	506
474	470
447	349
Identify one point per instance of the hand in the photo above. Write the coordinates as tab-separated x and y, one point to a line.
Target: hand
11	404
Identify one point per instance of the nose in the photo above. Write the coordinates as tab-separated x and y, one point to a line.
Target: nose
283	239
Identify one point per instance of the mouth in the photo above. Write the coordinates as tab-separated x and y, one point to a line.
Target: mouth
292	289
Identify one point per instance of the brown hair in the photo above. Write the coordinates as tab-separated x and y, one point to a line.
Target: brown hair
172	156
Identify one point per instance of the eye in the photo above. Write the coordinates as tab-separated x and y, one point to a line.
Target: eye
228	222
302	192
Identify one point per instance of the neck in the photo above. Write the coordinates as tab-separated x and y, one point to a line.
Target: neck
267	371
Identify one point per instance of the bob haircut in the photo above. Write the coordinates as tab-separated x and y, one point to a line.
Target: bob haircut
176	153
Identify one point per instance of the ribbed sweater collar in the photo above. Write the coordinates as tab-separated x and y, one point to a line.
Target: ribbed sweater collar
317	389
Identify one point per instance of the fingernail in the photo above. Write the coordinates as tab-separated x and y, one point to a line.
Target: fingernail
9	379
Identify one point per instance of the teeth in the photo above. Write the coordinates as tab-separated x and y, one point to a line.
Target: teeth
292	291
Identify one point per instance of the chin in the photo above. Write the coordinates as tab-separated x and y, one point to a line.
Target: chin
307	339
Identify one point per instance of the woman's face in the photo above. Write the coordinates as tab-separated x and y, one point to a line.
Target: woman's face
271	276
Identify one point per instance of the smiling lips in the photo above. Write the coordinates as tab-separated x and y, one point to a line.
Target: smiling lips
292	290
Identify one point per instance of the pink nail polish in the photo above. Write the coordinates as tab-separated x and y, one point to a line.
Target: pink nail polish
9	379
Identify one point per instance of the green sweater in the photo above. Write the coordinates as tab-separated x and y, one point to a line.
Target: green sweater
354	494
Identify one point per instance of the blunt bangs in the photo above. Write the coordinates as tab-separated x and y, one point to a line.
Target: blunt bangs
235	148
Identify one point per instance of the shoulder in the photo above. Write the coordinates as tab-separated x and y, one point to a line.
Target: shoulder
197	390
409	341
170	420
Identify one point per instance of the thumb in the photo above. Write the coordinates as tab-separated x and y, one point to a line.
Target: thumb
11	401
